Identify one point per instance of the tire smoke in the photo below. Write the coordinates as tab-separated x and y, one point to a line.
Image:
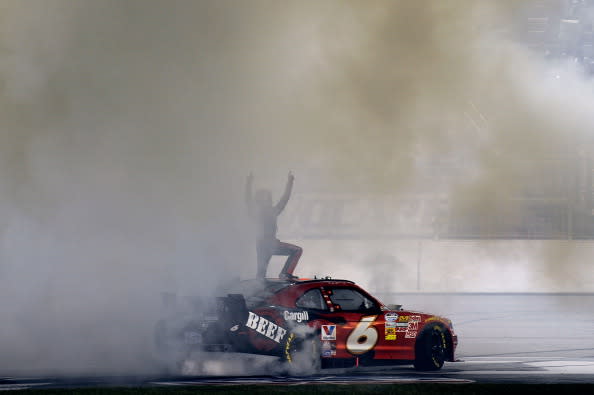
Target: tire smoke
127	129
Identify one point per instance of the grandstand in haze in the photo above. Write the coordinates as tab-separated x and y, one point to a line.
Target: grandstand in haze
555	201
553	193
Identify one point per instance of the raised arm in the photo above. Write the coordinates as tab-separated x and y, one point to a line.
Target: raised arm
248	194
280	206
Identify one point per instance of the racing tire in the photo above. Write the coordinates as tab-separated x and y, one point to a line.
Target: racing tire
431	348
301	355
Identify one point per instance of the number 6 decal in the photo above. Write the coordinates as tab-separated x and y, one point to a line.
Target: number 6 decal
363	337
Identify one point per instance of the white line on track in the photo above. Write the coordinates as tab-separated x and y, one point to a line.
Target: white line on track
527	366
314	380
18	387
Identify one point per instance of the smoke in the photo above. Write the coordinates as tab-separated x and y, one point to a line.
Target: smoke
402	84
126	136
127	130
405	77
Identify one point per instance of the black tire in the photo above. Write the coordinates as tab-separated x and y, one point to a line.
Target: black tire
431	348
301	355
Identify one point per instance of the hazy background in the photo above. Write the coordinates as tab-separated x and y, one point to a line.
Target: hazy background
127	129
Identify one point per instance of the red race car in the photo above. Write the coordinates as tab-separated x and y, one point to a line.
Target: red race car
319	323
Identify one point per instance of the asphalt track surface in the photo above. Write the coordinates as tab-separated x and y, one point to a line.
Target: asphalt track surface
503	338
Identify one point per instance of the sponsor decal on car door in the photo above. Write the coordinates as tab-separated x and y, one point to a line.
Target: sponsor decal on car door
363	337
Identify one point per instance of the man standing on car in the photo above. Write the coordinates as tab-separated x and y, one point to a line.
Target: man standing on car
261	209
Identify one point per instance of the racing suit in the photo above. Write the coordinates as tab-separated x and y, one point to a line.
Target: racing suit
265	215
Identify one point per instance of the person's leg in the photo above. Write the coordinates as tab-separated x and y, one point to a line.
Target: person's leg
293	253
264	252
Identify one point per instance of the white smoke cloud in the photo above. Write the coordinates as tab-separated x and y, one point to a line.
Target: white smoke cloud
127	129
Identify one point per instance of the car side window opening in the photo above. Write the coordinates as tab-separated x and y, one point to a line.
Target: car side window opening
351	300
312	299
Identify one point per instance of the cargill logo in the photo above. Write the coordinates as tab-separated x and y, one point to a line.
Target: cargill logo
328	332
296	316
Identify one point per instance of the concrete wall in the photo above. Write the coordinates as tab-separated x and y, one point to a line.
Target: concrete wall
453	266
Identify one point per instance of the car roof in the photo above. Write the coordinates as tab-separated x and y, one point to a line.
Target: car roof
273	285
329	281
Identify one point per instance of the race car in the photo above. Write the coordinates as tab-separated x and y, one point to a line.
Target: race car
317	323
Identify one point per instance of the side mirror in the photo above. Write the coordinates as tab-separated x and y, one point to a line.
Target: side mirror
394	306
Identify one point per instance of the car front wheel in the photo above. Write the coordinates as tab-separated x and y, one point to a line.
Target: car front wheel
431	348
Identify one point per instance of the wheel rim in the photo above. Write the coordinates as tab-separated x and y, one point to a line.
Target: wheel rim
437	347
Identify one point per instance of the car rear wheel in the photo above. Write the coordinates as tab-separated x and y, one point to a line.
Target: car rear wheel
301	355
431	348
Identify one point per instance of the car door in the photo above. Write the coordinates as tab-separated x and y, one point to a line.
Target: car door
359	323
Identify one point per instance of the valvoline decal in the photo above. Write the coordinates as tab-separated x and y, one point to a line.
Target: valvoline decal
328	332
